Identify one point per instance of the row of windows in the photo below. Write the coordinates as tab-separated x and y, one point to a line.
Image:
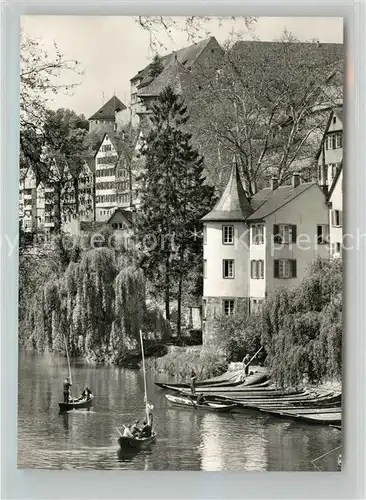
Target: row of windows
104	185
122	185
228	307
124	198
106	147
106	198
106	160
282	268
119	225
282	233
122	173
105	172
333	140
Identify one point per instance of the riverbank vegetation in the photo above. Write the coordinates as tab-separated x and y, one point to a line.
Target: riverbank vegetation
179	363
97	302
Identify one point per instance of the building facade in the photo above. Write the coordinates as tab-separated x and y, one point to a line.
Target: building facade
251	247
105	177
107	117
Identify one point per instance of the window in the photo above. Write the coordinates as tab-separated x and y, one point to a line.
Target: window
336	250
258	234
322	231
334	141
284	233
256	306
257	269
284	268
228	307
204	309
228	268
228	235
334	119
336	218
333	169
205	234
205	268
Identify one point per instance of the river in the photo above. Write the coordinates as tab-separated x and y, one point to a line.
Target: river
187	439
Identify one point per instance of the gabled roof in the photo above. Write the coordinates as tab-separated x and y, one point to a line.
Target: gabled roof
127	215
108	110
233	204
116	140
269	201
186	56
174	74
335	180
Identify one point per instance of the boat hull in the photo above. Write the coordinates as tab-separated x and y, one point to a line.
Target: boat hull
210	406
75	405
127	443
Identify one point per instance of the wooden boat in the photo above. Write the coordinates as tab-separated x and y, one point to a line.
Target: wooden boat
127	443
208	406
138	443
76	404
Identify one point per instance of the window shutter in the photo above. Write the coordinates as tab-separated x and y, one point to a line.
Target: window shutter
293	268
341	217
276	269
276	231
294	233
261	269
257	269
252	264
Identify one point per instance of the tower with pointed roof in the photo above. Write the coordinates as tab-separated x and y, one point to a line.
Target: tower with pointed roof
104	120
226	252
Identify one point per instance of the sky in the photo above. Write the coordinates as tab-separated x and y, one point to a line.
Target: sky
112	49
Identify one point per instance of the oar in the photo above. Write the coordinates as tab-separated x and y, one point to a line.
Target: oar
119	432
255	355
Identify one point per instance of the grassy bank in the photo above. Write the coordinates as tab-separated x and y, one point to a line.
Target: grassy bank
181	360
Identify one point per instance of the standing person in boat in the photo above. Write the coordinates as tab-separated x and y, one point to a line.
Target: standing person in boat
149	413
246	365
193	382
127	432
67	386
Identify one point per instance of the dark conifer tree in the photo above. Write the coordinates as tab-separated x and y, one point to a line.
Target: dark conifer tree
174	198
156	66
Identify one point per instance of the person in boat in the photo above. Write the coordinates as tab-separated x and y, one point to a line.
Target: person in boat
246	365
127	432
146	431
149	413
135	429
67	388
87	393
193	382
201	399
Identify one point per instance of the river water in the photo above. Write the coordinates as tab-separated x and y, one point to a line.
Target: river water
187	439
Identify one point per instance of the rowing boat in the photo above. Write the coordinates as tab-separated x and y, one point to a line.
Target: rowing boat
76	404
187	402
128	443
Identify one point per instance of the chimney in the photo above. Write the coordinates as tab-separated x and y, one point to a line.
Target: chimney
295	180
274	183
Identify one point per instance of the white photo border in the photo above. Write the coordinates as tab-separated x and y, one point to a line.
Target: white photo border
348	484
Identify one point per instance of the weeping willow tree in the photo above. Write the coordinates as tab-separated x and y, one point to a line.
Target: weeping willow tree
302	327
98	306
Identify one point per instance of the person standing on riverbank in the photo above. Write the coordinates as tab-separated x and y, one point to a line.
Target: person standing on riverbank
193	382
246	365
67	385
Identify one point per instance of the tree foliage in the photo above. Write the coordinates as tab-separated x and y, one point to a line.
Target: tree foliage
156	66
173	198
302	327
96	304
268	104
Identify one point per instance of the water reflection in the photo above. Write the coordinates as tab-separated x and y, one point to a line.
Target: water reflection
186	439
